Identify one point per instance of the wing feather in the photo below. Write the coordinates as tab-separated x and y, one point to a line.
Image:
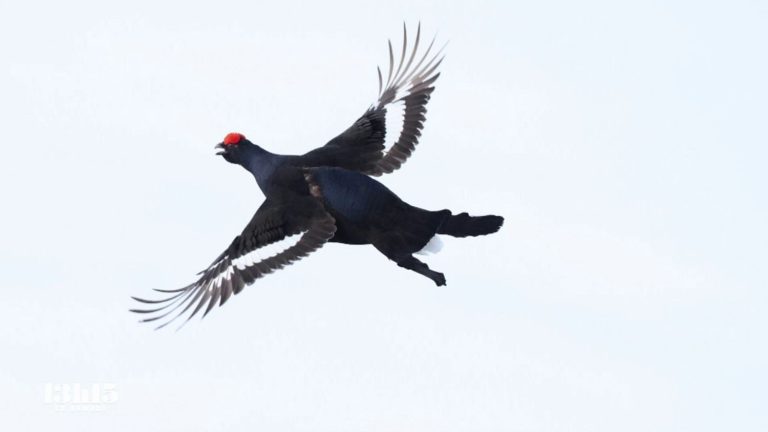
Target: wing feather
409	84
226	276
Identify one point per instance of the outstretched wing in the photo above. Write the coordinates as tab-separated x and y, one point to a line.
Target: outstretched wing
296	229
361	147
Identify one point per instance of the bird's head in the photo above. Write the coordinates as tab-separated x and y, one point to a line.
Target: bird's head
234	148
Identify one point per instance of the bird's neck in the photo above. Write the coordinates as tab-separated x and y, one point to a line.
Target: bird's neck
262	165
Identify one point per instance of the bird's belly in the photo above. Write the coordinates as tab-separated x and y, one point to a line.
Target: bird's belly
349	233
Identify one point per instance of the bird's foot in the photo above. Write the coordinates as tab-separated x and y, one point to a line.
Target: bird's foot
438	278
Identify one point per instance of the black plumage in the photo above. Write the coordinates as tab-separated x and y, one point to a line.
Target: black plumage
327	195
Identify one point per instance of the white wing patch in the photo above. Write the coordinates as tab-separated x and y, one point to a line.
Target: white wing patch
267	251
255	256
394	119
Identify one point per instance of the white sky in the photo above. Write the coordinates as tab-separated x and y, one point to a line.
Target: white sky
624	144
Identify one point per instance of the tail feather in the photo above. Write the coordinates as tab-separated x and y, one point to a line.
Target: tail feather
464	225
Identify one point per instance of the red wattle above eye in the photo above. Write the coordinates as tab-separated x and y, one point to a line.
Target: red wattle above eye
233	138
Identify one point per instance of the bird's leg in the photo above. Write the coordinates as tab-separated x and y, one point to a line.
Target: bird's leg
397	252
411	263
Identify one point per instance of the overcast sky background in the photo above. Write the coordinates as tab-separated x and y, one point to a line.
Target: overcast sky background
625	145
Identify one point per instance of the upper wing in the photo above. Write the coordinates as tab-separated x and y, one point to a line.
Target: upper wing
361	146
302	226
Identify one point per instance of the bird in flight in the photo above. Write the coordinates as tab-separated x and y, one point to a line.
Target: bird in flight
328	195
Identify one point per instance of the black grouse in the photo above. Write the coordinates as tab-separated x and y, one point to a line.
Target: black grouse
326	195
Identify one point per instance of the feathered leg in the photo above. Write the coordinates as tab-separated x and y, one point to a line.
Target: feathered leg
394	249
411	263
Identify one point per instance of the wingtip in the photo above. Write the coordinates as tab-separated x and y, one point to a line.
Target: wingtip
146	301
444	46
142	311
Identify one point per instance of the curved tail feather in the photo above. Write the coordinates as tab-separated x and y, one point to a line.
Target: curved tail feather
464	225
